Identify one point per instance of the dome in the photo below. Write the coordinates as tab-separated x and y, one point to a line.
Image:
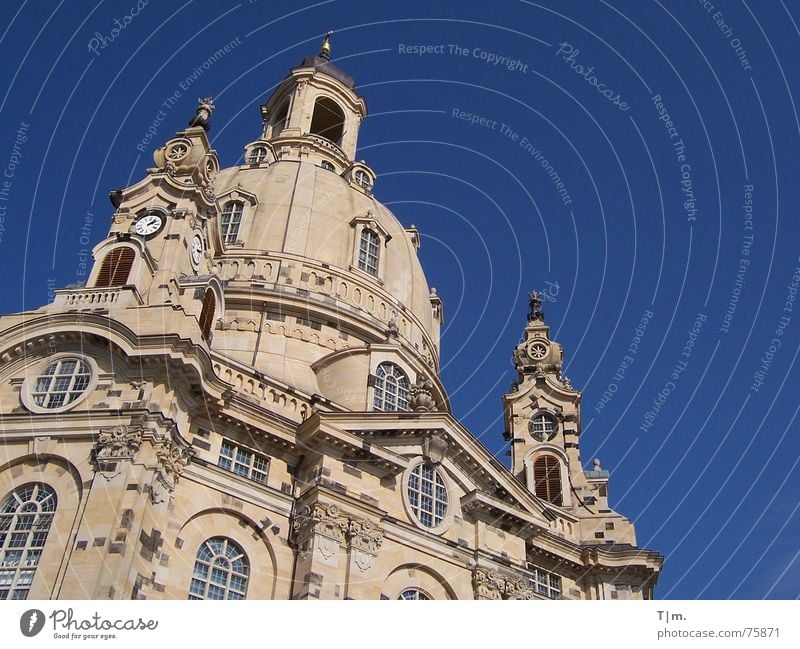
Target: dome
324	276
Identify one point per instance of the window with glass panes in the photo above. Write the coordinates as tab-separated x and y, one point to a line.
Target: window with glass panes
390	388
363	179
545	583
258	154
368	252
231	220
413	593
61	382
25	518
221	570
427	495
243	462
543	426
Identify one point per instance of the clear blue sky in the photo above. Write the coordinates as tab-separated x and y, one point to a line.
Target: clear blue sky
671	127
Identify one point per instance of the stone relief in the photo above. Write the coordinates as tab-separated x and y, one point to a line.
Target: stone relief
491	584
171	459
329	528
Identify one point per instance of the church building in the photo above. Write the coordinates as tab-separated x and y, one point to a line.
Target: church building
244	401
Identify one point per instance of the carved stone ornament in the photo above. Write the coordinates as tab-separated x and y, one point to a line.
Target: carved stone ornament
326	528
434	448
421	398
392	331
114	445
118	443
172	458
490	584
320	519
365	540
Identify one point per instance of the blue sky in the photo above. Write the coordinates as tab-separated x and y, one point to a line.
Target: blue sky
634	159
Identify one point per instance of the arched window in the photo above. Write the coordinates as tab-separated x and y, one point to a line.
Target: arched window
231	220
368	251
115	268
427	495
362	179
327	166
258	154
328	120
207	313
391	388
221	570
413	593
547	478
25	518
279	119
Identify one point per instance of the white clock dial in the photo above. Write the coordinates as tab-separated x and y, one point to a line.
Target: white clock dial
197	250
148	224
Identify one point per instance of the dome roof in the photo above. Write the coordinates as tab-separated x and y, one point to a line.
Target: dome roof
303	210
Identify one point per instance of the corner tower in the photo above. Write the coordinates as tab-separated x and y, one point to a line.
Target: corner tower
543	425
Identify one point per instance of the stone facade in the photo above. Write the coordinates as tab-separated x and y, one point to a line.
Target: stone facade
244	401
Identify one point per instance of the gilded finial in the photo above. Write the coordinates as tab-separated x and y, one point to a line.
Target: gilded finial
325	49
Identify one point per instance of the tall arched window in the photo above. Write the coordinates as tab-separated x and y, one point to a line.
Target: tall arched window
547	479
115	268
368	251
25	518
231	220
207	313
221	570
328	120
391	388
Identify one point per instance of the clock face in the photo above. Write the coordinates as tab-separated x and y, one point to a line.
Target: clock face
197	250
149	224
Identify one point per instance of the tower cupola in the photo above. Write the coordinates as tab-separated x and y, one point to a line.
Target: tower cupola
315	112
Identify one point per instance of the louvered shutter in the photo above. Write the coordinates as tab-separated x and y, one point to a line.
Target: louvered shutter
115	268
207	313
547	479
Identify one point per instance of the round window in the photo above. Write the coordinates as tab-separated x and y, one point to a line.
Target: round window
58	385
543	427
427	495
538	350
